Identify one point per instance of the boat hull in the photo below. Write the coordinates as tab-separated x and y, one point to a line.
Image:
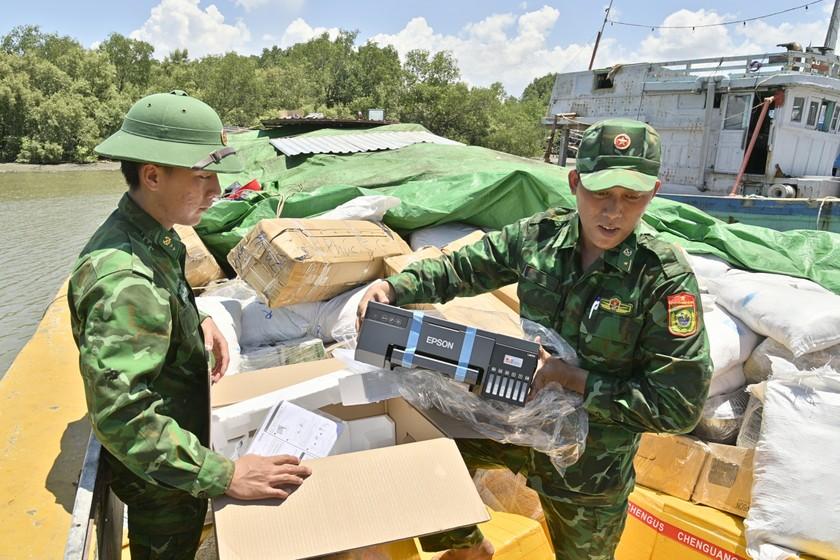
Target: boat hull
781	214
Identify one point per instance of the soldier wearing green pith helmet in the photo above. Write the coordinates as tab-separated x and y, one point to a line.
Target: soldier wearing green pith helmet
143	348
626	301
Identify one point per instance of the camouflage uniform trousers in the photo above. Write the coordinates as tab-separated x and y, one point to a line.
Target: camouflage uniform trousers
163	523
577	532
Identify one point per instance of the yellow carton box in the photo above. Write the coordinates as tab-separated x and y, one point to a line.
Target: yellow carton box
662	527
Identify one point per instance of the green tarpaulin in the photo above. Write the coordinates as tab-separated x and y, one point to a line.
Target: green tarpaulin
438	184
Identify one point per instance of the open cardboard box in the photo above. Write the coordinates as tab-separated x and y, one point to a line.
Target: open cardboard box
418	487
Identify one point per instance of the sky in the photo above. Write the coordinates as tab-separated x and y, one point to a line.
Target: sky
511	42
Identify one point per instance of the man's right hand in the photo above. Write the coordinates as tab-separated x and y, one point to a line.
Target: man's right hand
256	477
380	291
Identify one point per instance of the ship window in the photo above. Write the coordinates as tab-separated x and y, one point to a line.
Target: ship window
796	112
716	103
737	112
834	119
603	80
813	111
826	112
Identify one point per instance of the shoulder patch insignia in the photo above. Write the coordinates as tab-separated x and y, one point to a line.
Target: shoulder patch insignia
617	306
682	314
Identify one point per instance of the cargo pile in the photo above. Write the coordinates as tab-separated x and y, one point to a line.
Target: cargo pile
761	456
294	300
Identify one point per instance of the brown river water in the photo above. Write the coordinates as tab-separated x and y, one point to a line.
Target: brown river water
45	220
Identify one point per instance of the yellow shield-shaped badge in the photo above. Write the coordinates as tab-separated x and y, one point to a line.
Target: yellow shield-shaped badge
682	314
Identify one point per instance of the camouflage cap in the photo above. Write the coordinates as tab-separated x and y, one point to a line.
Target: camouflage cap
619	153
172	129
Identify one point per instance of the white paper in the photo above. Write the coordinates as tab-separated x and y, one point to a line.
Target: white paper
291	430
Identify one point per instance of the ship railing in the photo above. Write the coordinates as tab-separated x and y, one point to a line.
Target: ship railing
96	528
765	63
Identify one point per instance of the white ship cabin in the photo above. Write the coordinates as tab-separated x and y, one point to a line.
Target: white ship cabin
706	111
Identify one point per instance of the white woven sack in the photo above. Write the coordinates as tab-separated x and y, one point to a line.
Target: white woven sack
798	313
795	499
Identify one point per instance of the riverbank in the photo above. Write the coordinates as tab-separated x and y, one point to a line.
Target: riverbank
59	167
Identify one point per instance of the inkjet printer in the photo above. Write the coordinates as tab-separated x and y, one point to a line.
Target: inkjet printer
497	366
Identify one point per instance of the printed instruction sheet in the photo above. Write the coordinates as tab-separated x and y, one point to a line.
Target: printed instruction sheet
291	430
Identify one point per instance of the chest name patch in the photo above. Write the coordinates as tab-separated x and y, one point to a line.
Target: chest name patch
615	305
682	314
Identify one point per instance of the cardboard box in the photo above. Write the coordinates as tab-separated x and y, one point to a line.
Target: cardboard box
725	482
247	385
359	499
484	311
294	261
461	242
662	527
509	297
669	463
201	267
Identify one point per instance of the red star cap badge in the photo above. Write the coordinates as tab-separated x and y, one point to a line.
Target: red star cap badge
622	141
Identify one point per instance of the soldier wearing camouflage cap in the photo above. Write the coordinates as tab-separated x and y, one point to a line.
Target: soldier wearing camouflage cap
626	301
143	348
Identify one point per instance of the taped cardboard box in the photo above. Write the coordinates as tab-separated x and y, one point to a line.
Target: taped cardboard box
201	267
295	261
725	482
355	500
662	527
669	463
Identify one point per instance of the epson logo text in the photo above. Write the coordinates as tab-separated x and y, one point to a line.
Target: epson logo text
440	342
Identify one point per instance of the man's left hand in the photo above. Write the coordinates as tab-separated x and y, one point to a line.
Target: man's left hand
215	342
551	369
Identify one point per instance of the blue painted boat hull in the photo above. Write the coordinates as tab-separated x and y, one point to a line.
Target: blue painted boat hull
781	214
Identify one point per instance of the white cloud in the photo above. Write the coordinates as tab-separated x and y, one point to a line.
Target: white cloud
724	40
502	47
182	24
701	42
299	32
287	5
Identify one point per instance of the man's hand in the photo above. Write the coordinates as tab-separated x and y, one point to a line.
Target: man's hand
380	291
215	342
256	477
551	369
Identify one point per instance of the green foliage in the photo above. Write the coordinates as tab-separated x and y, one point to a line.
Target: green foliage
58	99
132	60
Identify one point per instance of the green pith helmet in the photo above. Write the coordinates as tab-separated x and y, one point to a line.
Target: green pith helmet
619	153
172	129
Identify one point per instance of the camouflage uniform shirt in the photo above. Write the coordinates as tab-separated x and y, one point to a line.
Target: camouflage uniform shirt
634	319
142	355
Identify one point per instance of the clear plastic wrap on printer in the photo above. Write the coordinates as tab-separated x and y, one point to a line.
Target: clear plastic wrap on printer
553	422
554	344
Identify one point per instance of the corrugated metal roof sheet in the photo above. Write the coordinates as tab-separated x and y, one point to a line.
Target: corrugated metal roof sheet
352	143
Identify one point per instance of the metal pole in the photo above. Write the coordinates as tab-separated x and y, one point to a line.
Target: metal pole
547	156
564	146
833	25
711	85
601	32
765	106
